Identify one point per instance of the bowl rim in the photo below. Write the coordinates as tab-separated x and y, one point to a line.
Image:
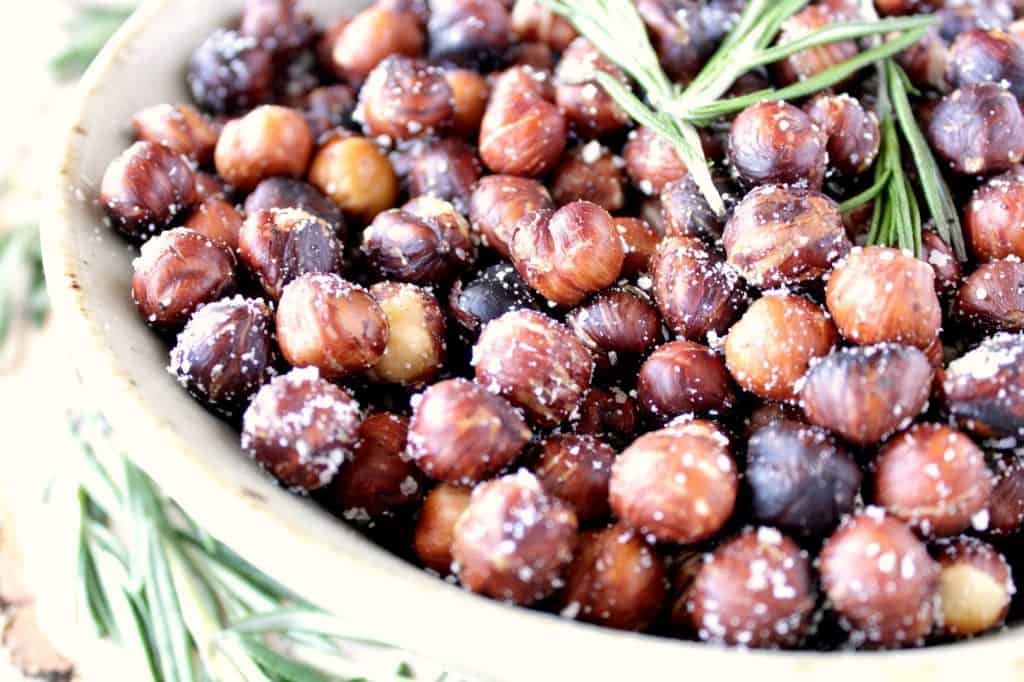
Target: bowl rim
476	631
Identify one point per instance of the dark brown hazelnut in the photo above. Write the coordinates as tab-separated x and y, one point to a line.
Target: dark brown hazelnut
356	175
576	468
769	350
926	62
813	60
768	412
639	244
145	188
678	35
984	388
993	216
180	128
277	25
329	108
569	253
975	586
616	580
404	98
419	8
867	393
683	377
1006	503
468	32
370	37
535	363
514	541
853	134
677	484
210	186
992	297
775	142
416	346
333	325
470	93
289	193
616	323
176	273
499	202
230	73
880	294
435	529
978	56
652	161
268	141
591	173
978	128
538	56
686	213
936	252
608	413
494	292
301	428
279	245
533	22
445	168
587	107
218	221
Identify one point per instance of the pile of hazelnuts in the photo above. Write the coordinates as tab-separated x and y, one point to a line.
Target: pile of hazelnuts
443	284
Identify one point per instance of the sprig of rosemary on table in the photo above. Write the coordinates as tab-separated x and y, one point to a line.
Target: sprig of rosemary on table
89	30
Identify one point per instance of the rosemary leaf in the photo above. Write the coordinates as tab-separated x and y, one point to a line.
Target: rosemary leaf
91	28
281	667
843	31
867	195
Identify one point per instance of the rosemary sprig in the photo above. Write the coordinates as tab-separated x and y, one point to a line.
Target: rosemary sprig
89	31
22	284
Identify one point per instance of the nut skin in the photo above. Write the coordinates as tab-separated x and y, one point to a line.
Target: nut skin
587	107
978	128
576	468
936	252
514	541
218	221
613	414
651	161
356	176
777	143
683	377
993	217
499	203
290	193
277	25
881	294
470	33
978	56
535	363
975	584
686	213
533	22
1006	503
677	484
326	322
329	108
615	580
145	188
617	322
568	254
416	340
867	393
933	477
639	244
270	140
370	37
435	529
798	479
181	128
984	389
880	580
590	173
992	297
405	98
279	245
470	93
230	73
853	133
812	61
445	168
769	350
301	428
494	292
782	235
178	272
756	590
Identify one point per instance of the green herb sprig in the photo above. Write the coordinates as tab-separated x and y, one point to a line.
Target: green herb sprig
22	284
89	30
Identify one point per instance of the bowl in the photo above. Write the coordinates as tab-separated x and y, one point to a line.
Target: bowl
197	460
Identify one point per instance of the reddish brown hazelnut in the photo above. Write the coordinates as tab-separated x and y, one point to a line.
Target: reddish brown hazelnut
533	22
993	217
768	412
514	541
325	322
218	221
277	25
853	134
683	377
370	37
984	388
471	33
936	252
491	294
651	161
538	56
404	98
289	193
328	109
813	60
269	140
279	245
978	56
416	346
587	107
926	62
992	297
435	529
608	413
1006	503
590	173
535	363
576	468
498	204
975	585
230	73
898	7
470	93
678	35
615	323
443	168
978	128
677	484
210	186
686	212
356	175
775	142
639	244
180	128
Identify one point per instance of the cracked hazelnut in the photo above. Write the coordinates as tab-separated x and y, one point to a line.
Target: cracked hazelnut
470	33
494	292
356	175
533	22
683	377
435	529
993	216
992	297
270	140
576	469
984	388
470	93
978	129
978	56
651	161
230	73
853	134
587	107
616	323
416	347
590	173
777	143
975	585
218	221
639	244
278	245
290	193
444	168
370	37
405	98
499	203
180	128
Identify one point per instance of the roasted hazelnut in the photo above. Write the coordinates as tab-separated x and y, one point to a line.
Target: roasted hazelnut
1006	503
425	242
535	363
756	590
590	173
616	580
813	60
678	35
617	322
775	142
975	585
677	484
853	134
569	253
325	322
177	272
371	36
468	32
230	73
277	25
145	188
498	204
880	294
419	8
278	245
769	350
538	56
404	98
993	216
978	56
639	244
180	128
218	221
686	213
470	93
435	529
880	580
268	141
936	252
514	541
533	22
683	377
992	297
301	428
576	468
210	186
978	128
782	235
926	62
587	107
356	175
651	161
494	292
416	346
329	108
608	413
445	168
289	193
867	393
984	388
799	480
898	7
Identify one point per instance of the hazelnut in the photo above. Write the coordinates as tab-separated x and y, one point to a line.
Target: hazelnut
587	107
768	412
418	8
926	62
683	377
289	193
416	347
533	22
329	108
590	173
616	580
569	253
677	484
210	186
608	413
443	168
639	244
230	73
301	428
975	585
499	202
899	7
218	221
325	322
984	388
755	590
356	175
277	25
371	36
514	541
813	60
867	393
978	129
494	292
881	294
1006	503
405	98
936	252
538	56
853	134
686	212
799	480
978	56
180	128
468	32
651	161
576	468
992	297
993	216
784	235
677	34
535	363
880	580
777	143
470	93
769	350
435	529
616	322
176	273
269	140
145	188
278	245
